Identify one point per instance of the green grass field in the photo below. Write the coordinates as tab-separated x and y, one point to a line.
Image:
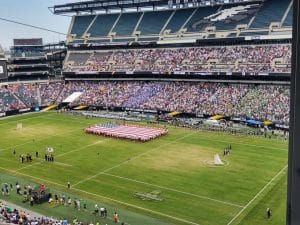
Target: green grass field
193	191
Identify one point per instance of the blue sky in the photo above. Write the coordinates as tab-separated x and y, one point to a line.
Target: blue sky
34	12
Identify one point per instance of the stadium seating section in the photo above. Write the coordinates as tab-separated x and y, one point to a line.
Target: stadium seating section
248	58
80	25
25	93
178	19
8	101
253	15
153	22
102	25
271	11
155	66
265	102
126	24
288	22
197	21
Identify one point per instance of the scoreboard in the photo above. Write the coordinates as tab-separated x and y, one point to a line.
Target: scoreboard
3	70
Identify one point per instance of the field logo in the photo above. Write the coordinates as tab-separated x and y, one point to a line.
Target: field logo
150	196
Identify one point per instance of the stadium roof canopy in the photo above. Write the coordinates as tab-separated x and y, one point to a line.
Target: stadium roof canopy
106	6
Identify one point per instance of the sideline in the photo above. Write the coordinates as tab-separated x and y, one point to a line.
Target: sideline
38	140
19	115
131	159
107	198
175	190
256	196
196	131
65	153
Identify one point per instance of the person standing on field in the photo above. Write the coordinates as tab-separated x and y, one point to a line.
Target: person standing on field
268	213
116	217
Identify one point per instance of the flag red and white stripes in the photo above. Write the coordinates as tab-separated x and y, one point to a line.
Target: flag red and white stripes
127	132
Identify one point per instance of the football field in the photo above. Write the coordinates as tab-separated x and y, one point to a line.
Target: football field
170	180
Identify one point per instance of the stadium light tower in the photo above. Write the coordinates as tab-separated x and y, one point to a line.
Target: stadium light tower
293	192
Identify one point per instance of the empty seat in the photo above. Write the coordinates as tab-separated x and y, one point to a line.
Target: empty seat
271	11
178	20
80	25
127	23
288	22
102	25
153	22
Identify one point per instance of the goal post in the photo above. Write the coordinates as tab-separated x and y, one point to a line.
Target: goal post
217	160
19	126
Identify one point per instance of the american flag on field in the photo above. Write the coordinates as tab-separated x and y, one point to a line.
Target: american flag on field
127	132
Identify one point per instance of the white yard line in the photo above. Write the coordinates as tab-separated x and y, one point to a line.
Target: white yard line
257	146
178	191
40	139
65	153
78	149
49	136
243	144
63	164
19	115
201	137
131	159
227	142
68	120
107	198
171	189
55	162
31	136
8	160
256	196
104	172
17	121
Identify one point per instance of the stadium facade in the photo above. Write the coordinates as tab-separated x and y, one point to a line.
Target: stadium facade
201	59
150	49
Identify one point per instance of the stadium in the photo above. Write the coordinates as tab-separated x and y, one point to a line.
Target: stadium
149	112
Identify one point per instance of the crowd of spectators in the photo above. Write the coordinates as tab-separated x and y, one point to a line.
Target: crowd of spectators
20	96
271	102
30	193
8	101
244	59
264	102
25	93
108	94
13	214
28	54
50	92
10	215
